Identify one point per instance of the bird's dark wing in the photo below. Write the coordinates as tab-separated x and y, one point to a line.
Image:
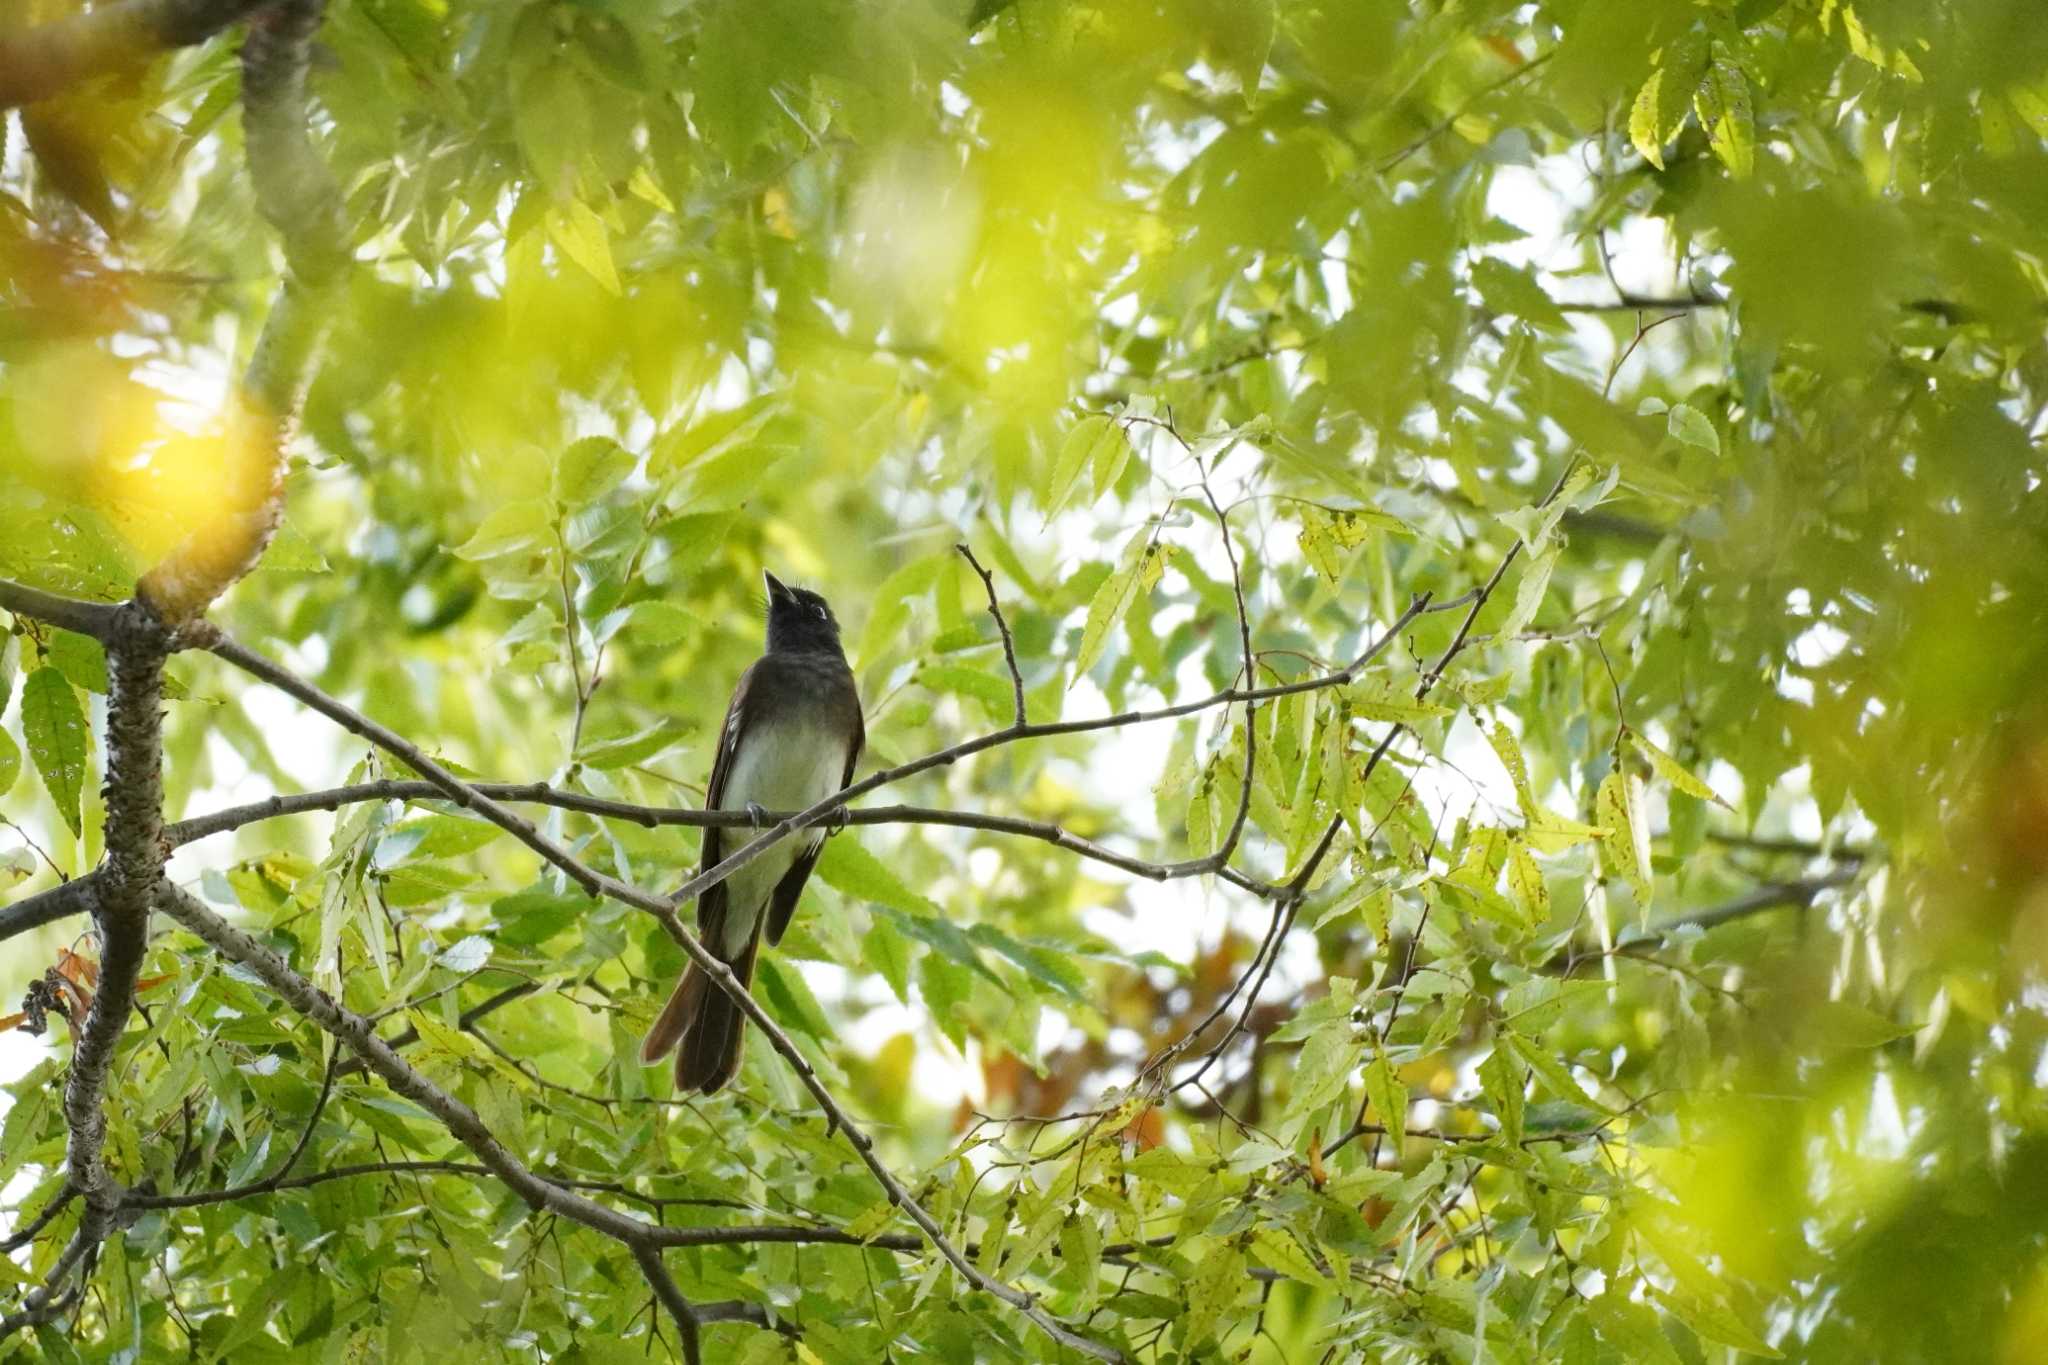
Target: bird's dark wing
790	889
711	904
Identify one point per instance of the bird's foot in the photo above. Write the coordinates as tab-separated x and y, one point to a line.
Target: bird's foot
757	813
840	818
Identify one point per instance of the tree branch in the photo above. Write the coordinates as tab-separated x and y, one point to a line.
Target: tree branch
995	609
49	59
300	199
72	613
79	896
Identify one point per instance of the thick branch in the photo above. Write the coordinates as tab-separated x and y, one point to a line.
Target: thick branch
79	896
300	198
50	59
135	859
87	618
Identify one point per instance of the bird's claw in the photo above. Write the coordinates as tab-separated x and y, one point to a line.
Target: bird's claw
839	820
757	813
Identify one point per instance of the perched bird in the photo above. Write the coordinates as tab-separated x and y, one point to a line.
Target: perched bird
791	738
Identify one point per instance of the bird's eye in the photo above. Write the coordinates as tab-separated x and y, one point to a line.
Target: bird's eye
819	607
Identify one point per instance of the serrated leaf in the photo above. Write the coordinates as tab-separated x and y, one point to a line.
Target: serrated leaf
1717	1322
590	468
1674	772
1378	699
660	623
1324	1068
1693	427
79	658
872	1220
1091	443
465	955
1510	751
1279	1251
1627	845
1328	533
1722	103
1213	1287
1645	127
53	724
513	529
10	762
1549	832
1529	592
1554	1072
1501	1076
848	868
1387	1093
888	952
1081	1249
1139	568
584	239
1525	880
1513	291
291	552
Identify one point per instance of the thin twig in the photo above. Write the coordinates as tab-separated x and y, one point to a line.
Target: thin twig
995	609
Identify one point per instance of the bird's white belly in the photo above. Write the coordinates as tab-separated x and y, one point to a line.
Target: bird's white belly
779	766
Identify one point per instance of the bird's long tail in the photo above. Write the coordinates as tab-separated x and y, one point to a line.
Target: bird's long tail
705	1026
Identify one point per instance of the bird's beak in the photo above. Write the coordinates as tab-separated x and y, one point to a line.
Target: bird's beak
777	591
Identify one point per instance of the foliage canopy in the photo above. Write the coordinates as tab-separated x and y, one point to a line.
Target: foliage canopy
1643	958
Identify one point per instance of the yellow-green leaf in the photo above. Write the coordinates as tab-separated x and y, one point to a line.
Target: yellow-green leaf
1722	103
1136	572
1279	1251
1674	772
1213	1287
1327	534
1620	807
584	239
1388	1095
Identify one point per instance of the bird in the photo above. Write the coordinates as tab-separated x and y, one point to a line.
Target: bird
791	738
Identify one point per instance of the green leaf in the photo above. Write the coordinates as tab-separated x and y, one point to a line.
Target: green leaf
1095	442
1214	1286
584	239
1278	1250
1143	561
1535	581
79	658
1502	1079
1722	103
10	762
1329	534
888	952
1694	428
1717	1322
513	529
590	468
1081	1250
1627	846
291	552
1674	772
1525	880
660	623
1554	1072
1378	699
611	754
1388	1095
1513	291
53	723
1645	126
847	867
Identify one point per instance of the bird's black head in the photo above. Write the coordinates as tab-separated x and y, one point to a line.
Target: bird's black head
799	619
